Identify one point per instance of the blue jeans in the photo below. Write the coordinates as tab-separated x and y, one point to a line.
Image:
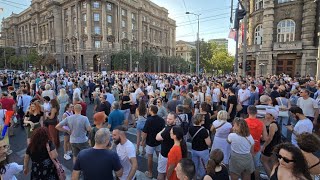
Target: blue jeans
200	159
282	122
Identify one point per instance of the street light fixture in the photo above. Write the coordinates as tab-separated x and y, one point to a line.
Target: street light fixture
198	44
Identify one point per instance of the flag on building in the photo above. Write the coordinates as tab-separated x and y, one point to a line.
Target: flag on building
232	34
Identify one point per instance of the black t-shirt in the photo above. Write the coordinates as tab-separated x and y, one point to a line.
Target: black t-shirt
221	175
167	142
198	142
207	121
126	105
40	155
34	118
153	126
232	100
105	162
105	106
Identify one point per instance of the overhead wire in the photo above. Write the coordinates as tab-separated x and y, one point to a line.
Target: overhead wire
15	3
184	3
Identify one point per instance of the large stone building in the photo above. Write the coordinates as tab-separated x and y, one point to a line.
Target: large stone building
281	37
183	50
221	41
83	33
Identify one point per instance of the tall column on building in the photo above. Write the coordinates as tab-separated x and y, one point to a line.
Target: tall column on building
79	25
116	25
267	41
70	24
89	23
104	25
58	33
140	30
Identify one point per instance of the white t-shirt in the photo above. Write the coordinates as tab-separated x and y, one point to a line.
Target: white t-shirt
244	94
240	144
125	152
215	95
11	170
224	130
308	106
304	125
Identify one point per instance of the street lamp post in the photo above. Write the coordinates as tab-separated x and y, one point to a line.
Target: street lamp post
198	44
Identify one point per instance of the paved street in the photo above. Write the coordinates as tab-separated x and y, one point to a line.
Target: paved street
18	145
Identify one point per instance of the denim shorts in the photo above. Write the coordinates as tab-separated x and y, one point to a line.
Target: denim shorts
140	124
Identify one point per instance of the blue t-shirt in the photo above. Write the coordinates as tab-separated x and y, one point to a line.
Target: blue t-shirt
253	97
115	118
105	162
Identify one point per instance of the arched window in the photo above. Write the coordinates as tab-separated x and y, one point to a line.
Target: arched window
258	4
258	33
286	30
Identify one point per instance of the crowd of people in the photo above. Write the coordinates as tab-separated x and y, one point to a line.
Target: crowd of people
236	127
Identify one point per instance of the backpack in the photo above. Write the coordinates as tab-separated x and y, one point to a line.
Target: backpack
184	124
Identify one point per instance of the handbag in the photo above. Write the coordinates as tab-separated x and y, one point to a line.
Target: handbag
214	129
239	107
281	112
60	171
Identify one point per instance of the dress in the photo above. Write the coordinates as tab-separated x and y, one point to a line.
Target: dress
42	166
63	101
174	156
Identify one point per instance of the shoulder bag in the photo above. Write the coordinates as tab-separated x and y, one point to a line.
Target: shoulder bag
283	113
214	129
196	133
60	171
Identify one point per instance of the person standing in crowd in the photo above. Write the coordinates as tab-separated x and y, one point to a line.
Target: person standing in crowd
204	110
291	163
9	105
258	131
243	99
96	101
68	111
265	103
153	126
23	104
79	126
222	129
283	117
126	152
187	104
104	105
241	163
215	168
116	117
109	96
254	95
125	105
309	145
177	152
166	144
303	124
63	100
200	140
216	94
141	113
232	102
99	119
33	119
48	92
308	105
105	161
78	100
273	139
185	169
38	151
162	111
172	104
52	120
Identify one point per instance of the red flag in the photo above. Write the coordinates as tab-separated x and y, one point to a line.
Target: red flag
232	34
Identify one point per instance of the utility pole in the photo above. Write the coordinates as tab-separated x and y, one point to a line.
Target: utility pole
244	49
236	61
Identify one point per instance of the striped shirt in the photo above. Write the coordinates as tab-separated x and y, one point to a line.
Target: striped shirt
261	109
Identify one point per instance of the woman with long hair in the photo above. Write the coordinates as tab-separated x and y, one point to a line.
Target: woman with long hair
241	161
68	111
51	122
177	152
63	100
141	113
291	163
38	151
215	168
310	144
33	119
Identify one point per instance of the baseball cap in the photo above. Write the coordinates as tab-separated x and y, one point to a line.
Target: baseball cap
273	112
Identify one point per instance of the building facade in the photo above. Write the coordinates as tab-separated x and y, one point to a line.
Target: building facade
183	50
281	37
82	34
221	41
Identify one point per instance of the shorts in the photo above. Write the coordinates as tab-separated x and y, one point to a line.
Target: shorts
162	164
256	159
239	163
126	113
151	150
77	147
140	124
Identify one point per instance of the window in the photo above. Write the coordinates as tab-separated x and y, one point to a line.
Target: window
109	19
96	4
144	18
97	44
259	4
85	30
133	16
109	6
124	34
123	23
96	17
84	5
284	1
286	30
124	12
109	31
97	30
133	26
258	33
84	17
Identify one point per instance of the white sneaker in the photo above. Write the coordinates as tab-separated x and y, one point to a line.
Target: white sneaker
66	157
264	176
69	153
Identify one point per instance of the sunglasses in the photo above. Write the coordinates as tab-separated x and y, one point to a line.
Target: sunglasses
284	158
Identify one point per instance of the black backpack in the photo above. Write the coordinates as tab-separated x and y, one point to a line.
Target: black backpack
184	124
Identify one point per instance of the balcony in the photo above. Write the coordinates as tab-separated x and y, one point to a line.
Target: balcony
254	48
283	46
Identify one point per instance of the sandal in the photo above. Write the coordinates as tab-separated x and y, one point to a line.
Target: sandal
143	152
137	152
148	175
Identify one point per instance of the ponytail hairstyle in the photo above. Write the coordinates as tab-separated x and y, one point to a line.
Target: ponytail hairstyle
216	157
178	132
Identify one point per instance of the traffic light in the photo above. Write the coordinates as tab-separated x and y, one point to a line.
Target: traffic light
240	65
248	66
239	14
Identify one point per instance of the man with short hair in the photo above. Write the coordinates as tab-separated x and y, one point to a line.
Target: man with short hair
79	126
77	100
154	124
172	104
126	152
185	169
265	103
116	117
166	145
104	105
24	103
308	105
109	96
103	161
303	124
243	99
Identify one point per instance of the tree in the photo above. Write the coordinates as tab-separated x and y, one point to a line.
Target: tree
147	60
121	60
